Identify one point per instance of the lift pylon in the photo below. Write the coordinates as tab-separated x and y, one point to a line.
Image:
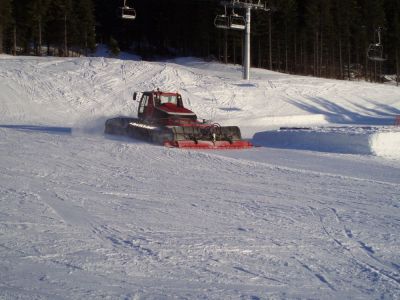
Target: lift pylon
240	23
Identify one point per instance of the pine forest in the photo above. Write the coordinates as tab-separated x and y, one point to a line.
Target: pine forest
323	38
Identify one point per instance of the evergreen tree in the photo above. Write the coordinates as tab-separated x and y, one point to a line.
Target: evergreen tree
85	24
37	12
113	47
344	20
374	18
313	27
5	20
395	30
259	31
392	34
59	23
288	8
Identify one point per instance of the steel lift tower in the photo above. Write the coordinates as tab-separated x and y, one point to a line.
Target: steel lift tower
234	21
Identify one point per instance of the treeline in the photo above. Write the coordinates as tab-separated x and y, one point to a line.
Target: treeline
47	27
326	38
330	38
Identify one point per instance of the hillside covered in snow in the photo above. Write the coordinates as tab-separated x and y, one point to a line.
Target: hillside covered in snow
87	216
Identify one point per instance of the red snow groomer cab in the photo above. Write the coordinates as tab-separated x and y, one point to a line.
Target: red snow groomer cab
162	119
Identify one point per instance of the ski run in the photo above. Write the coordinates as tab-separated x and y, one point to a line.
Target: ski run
90	216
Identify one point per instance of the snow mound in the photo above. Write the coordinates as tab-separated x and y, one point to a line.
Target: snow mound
386	144
379	141
102	51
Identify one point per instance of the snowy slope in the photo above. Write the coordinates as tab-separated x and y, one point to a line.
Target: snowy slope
99	87
87	216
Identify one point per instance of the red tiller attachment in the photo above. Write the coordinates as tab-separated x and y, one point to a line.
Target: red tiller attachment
222	145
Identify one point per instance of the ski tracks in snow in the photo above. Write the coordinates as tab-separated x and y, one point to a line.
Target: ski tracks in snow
358	252
214	219
108	217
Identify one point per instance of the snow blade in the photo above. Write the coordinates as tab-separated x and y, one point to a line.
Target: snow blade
218	145
208	133
207	137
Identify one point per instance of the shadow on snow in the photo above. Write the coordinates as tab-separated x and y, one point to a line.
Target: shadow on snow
382	114
46	129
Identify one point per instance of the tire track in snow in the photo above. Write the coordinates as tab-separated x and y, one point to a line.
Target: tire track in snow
87	224
357	250
317	275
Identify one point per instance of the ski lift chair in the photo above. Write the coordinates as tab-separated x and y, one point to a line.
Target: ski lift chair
222	21
237	22
375	53
127	12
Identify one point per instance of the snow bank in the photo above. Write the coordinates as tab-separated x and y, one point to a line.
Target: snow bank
386	144
379	141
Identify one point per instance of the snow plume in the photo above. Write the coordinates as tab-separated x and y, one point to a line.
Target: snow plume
94	125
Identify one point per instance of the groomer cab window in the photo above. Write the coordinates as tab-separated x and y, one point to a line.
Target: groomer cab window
144	102
174	99
168	99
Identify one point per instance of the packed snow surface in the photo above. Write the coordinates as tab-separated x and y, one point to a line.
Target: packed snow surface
89	216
